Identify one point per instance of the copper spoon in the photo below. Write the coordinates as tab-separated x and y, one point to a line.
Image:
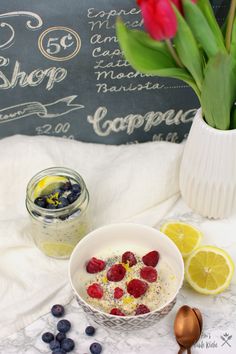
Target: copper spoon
199	317
186	328
200	321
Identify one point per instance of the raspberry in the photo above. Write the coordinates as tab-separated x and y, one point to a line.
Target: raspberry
95	290
151	258
95	265
117	312
116	272
141	309
118	293
149	274
129	257
137	287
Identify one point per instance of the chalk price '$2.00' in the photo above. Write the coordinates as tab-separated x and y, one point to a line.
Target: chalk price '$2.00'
59	128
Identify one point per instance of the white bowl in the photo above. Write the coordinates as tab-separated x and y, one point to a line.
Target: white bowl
119	238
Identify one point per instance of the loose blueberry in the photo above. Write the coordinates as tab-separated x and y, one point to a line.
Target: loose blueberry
68	344
72	197
66	186
59	351
76	188
90	330
41	202
63	202
47	337
63	326
57	310
60	336
95	348
54	344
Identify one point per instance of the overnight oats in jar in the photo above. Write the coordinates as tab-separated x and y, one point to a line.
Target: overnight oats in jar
57	201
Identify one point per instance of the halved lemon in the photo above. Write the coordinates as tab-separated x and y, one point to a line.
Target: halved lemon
209	270
54	249
48	184
186	237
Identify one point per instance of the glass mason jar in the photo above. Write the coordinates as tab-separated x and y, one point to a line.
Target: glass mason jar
57	231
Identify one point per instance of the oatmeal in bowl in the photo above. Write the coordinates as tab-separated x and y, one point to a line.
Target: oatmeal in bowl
126	276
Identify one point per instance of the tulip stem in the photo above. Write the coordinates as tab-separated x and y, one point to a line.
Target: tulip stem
230	24
174	53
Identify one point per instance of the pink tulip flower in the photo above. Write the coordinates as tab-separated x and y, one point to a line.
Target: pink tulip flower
159	17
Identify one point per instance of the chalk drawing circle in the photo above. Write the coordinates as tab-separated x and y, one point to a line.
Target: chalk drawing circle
59	28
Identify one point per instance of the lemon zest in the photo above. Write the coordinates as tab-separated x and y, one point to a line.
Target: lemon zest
127	300
126	266
53	199
105	280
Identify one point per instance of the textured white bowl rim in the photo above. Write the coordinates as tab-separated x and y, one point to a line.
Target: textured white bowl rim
91	235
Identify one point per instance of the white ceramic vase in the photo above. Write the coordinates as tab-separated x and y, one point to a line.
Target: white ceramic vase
208	170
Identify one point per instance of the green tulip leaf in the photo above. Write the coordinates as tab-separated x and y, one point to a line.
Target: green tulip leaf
208	12
187	49
233	42
218	91
201	29
150	57
142	51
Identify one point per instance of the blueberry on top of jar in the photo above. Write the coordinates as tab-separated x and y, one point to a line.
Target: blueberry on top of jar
51	206
66	186
73	196
41	202
58	190
76	188
62	202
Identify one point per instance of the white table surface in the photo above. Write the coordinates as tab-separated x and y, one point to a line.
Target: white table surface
156	339
219	315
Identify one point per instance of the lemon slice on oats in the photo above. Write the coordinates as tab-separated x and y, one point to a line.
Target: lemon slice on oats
48	184
209	270
54	249
186	237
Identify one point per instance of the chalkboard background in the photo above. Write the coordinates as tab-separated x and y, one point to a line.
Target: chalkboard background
62	73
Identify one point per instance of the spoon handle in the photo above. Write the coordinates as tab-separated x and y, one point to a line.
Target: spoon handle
189	351
182	349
